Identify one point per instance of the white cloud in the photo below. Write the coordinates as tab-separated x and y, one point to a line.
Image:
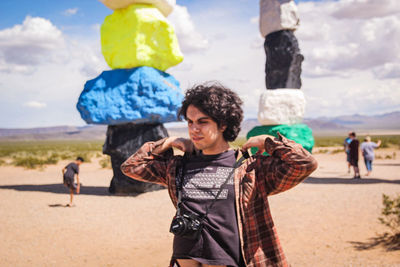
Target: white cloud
56	76
332	44
26	45
365	9
190	40
35	104
388	71
70	11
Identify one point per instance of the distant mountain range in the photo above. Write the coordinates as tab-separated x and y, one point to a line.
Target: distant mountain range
387	121
322	125
90	132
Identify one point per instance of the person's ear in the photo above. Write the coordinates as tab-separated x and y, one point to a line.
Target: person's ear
222	128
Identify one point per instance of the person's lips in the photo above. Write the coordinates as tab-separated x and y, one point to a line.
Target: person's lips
196	138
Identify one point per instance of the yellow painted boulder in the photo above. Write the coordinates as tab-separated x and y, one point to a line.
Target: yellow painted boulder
139	35
165	6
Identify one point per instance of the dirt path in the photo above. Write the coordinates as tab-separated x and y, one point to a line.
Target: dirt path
329	220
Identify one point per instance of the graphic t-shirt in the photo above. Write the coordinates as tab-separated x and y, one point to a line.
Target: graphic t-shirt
218	243
71	169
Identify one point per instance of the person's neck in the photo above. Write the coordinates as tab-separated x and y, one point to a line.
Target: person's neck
220	148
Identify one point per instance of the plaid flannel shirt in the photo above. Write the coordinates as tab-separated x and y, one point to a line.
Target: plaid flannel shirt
257	178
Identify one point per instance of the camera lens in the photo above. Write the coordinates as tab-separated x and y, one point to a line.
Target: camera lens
177	226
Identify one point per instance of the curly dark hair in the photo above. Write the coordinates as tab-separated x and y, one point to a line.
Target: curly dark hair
220	103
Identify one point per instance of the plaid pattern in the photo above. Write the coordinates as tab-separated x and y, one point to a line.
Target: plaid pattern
256	179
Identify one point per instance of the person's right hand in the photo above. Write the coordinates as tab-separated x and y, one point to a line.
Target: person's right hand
183	144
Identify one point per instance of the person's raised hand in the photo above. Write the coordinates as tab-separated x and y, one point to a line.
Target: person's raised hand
258	142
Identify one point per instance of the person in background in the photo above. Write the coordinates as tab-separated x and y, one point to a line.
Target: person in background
367	149
346	144
354	147
69	172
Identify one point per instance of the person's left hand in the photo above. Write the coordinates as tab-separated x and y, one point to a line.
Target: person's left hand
78	188
258	142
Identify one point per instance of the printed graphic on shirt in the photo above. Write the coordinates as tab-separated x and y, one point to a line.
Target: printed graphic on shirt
205	183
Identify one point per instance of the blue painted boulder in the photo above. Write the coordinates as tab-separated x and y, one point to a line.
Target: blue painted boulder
138	95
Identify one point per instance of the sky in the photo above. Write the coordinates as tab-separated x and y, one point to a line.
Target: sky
49	49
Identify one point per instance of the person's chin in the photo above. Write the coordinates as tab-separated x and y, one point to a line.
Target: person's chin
198	146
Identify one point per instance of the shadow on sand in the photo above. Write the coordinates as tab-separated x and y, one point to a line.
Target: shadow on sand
60	206
387	164
59	189
315	180
389	242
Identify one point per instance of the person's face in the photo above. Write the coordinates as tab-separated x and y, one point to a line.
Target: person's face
204	131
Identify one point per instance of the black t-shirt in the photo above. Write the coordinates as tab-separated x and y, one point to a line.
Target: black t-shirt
354	144
71	169
219	242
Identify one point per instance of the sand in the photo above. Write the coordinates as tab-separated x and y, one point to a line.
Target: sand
329	220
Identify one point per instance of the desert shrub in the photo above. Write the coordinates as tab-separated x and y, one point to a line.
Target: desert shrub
31	162
335	151
31	154
2	162
329	141
391	213
105	163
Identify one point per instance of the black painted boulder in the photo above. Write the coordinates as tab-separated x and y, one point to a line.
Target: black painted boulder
121	142
283	64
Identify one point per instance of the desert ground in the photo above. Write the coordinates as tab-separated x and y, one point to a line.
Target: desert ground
328	220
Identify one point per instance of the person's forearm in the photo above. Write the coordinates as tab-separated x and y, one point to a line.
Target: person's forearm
148	163
289	164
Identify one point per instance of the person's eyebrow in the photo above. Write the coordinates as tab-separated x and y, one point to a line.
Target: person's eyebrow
201	118
204	118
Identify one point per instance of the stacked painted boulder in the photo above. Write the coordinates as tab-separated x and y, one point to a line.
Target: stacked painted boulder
137	96
282	105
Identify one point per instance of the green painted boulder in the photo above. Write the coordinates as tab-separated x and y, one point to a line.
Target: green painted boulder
300	133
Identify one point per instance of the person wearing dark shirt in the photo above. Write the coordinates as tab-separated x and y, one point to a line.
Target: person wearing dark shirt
69	173
354	152
347	150
221	194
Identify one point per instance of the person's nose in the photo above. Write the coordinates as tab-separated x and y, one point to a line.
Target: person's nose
195	128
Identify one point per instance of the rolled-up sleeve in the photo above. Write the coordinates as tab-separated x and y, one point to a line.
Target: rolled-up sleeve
288	165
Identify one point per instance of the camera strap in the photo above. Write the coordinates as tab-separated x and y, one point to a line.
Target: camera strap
180	180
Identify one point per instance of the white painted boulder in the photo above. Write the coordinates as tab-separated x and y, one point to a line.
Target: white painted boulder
165	6
276	15
281	106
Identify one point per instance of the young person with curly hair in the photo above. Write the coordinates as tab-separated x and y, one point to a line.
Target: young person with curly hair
221	194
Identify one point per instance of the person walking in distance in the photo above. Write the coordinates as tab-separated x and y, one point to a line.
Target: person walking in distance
354	152
346	144
69	173
367	149
221	194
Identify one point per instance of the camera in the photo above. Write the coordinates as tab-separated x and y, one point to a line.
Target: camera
187	225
